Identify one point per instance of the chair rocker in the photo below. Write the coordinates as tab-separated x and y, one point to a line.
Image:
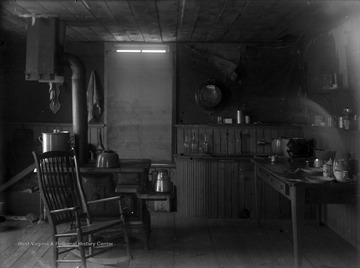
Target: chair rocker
68	213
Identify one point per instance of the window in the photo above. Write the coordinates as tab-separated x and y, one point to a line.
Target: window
139	101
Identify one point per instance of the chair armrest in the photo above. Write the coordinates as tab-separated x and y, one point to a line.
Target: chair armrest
114	198
65	210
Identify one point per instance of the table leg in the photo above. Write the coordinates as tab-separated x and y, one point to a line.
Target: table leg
297	195
258	195
320	212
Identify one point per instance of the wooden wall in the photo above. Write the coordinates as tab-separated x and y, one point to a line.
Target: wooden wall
268	84
235	139
221	185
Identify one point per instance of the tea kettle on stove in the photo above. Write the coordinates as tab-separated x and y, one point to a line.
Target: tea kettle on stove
162	183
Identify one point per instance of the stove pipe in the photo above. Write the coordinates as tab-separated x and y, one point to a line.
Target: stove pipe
79	108
45	59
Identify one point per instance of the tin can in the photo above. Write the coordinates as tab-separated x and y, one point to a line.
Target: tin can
247	119
318	163
239	117
330	121
341	122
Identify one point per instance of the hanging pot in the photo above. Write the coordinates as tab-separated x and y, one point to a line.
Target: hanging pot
56	141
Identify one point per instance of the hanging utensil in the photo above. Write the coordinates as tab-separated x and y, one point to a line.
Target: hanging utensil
100	148
54	97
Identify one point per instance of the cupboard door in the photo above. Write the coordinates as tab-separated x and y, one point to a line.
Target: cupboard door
213	188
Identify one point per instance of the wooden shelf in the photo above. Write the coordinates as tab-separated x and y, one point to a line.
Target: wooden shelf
155	196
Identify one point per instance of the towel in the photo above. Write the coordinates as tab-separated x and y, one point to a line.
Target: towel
93	98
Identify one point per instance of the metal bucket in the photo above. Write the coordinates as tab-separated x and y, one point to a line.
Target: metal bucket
56	141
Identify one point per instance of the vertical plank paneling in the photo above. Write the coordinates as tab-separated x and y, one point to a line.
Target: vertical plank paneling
235	194
210	139
231	140
252	141
248	191
224	141
228	194
217	141
195	134
214	188
268	139
221	189
180	140
281	133
245	141
237	138
259	140
202	132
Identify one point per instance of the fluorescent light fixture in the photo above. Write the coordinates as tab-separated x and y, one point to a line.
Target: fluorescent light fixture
141	51
129	50
153	51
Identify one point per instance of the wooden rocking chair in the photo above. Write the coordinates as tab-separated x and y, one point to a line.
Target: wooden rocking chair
64	200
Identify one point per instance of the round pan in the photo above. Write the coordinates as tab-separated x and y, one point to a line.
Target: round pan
209	96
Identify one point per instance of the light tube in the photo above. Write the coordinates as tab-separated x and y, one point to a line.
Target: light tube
143	50
129	50
153	51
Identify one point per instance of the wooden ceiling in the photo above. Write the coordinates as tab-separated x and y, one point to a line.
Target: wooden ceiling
242	21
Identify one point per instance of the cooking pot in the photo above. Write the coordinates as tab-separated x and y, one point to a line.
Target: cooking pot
296	147
56	141
162	182
107	159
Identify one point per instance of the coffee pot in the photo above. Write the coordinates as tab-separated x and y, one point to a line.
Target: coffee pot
162	182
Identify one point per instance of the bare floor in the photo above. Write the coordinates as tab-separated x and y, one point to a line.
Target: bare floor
185	242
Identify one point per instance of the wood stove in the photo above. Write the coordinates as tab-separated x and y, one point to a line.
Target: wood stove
127	180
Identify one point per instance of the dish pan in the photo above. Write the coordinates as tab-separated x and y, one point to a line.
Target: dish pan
319	179
209	96
312	170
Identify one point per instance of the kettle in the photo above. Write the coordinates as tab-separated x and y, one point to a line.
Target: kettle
107	159
162	183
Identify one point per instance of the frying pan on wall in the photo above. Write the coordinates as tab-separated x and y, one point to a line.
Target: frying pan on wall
209	96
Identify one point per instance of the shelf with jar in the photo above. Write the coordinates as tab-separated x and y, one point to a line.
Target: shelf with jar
346	121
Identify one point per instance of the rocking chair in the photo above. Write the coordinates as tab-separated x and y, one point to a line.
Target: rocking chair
67	211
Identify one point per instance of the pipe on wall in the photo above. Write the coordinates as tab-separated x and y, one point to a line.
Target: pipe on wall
79	108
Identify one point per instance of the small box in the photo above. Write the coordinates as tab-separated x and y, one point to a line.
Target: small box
228	121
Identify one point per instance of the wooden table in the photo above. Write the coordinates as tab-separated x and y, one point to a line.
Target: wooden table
295	187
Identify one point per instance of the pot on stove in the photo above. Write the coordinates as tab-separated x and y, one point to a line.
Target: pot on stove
107	159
